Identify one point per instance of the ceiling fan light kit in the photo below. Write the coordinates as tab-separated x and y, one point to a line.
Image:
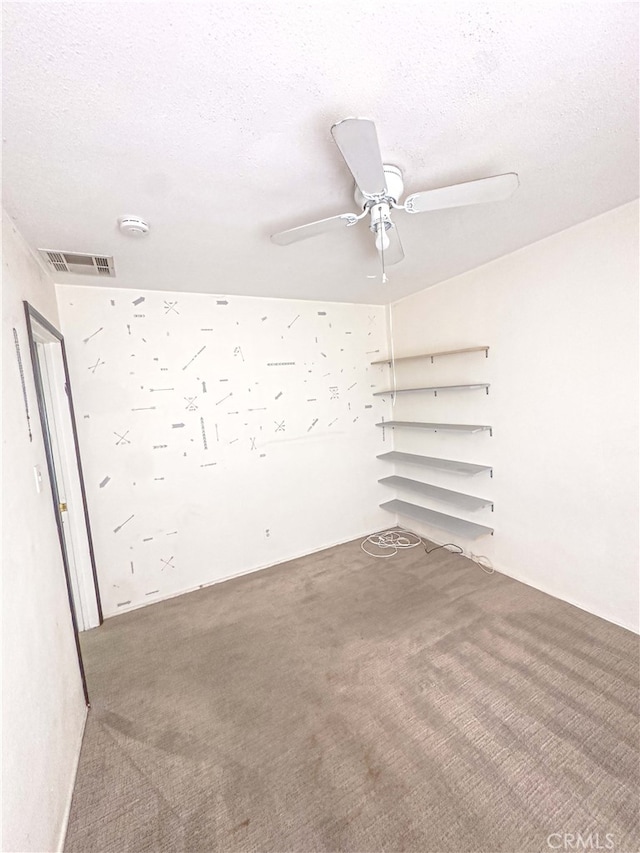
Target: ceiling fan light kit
379	187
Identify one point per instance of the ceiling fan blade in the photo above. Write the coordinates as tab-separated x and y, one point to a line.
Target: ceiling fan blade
332	223
394	253
496	188
358	143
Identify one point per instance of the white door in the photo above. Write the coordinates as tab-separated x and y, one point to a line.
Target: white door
68	479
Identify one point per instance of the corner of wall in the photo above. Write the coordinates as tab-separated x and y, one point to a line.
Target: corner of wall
560	317
43	709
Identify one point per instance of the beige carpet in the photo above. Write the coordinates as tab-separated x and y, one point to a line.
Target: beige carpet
343	703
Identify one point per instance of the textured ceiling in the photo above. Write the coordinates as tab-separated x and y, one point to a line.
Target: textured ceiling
213	121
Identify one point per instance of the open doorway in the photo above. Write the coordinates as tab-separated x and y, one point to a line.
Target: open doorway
55	404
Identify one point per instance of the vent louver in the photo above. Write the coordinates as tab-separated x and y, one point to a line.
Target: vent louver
102	266
58	261
79	263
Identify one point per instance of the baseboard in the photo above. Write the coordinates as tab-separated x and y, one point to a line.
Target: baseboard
500	569
516	577
510	573
250	571
67	811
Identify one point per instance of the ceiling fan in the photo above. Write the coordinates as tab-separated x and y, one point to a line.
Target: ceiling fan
379	186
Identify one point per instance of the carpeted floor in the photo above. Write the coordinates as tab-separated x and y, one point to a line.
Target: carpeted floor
343	703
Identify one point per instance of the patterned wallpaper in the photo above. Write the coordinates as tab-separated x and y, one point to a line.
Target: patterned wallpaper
221	434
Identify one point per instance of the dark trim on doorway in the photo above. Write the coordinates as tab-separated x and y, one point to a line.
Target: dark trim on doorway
31	313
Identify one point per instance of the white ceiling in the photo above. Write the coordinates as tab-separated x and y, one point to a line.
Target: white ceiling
213	121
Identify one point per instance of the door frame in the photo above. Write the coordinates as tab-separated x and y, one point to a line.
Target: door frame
32	315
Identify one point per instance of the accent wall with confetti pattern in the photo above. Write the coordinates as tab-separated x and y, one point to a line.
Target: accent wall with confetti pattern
221	434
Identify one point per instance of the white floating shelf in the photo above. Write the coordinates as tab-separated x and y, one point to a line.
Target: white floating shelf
436	427
437	519
463	500
435	462
434	388
433	355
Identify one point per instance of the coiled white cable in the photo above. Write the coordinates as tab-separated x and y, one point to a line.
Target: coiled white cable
390	541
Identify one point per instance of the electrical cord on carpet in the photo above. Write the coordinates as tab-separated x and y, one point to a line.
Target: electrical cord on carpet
476	558
390	541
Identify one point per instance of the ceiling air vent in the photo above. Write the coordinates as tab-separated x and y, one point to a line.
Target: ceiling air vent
79	262
102	265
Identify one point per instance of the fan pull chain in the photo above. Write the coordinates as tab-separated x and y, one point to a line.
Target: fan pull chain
384	274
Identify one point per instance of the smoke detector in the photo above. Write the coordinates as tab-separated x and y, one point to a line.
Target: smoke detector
79	262
133	226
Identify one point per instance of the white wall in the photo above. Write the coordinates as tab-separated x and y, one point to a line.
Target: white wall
280	391
561	318
43	705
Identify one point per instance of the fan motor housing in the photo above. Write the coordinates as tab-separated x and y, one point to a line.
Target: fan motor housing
394	182
380	217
